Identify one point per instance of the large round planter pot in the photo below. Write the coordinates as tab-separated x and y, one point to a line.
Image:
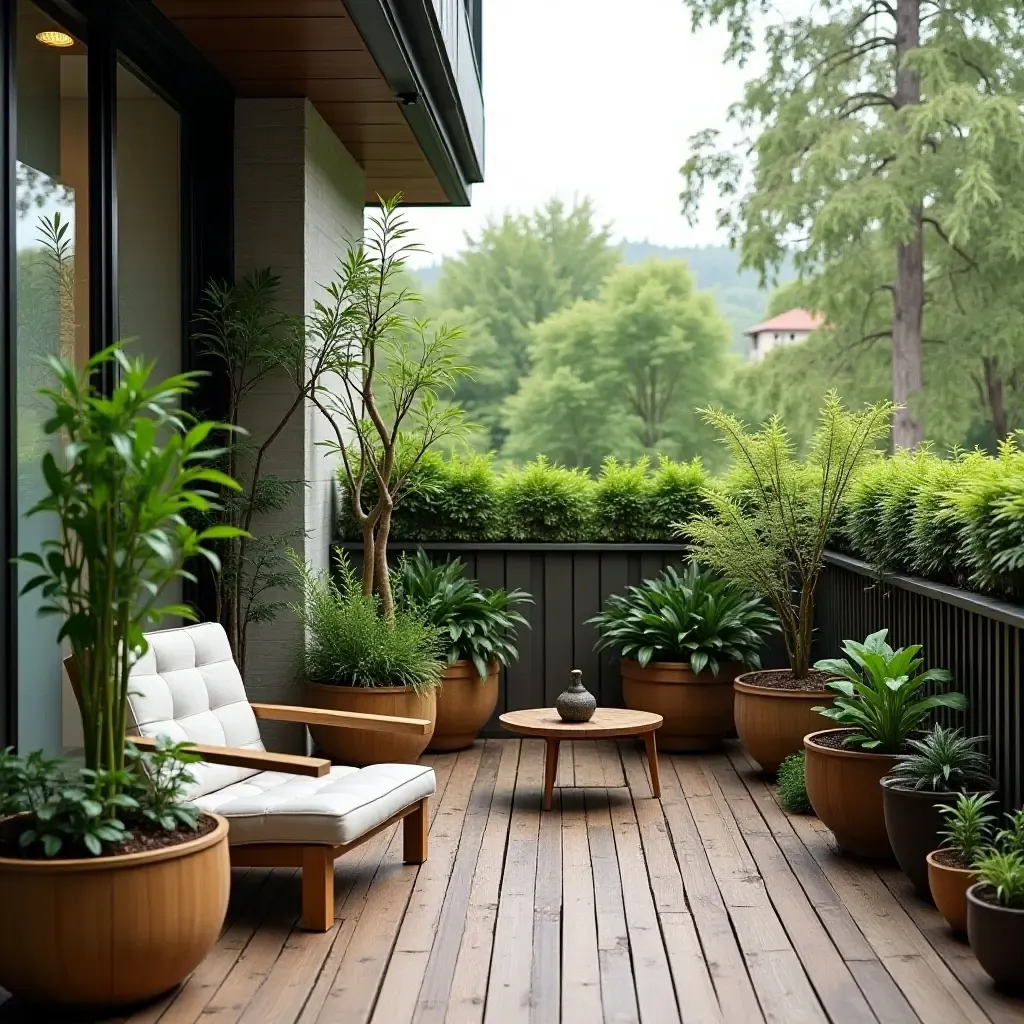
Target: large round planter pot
844	791
696	706
913	823
111	931
772	723
361	747
465	704
948	886
996	935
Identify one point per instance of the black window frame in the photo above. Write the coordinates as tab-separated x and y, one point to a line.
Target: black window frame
133	33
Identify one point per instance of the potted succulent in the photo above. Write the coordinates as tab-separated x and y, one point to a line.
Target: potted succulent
878	708
767	530
141	879
357	658
477	627
995	917
944	763
683	638
966	835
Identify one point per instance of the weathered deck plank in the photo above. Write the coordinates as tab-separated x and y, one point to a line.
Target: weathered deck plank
710	906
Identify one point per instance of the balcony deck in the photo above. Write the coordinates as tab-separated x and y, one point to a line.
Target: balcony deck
712	905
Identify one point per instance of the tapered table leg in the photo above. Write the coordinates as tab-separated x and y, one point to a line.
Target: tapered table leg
550	769
652	761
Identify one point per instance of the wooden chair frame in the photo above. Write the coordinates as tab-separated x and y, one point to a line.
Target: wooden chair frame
315	859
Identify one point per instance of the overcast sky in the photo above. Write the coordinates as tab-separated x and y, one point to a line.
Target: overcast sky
591	97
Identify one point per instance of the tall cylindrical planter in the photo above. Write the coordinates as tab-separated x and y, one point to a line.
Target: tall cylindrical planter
360	747
465	703
115	930
696	706
844	791
996	935
772	722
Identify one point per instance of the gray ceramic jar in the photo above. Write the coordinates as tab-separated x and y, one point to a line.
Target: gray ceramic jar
576	704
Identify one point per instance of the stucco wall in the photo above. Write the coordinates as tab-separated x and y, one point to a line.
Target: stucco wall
298	203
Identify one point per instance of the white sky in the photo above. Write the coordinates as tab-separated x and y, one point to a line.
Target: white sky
592	97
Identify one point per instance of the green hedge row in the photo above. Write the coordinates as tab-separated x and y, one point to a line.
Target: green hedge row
958	520
464	498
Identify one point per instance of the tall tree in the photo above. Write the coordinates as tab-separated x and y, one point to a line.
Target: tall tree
513	275
623	375
876	135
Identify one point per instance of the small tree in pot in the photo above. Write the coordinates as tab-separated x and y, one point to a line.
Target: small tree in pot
133	473
477	626
683	638
944	763
768	531
879	706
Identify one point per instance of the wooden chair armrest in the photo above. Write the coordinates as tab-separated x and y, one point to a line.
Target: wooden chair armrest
343	719
261	760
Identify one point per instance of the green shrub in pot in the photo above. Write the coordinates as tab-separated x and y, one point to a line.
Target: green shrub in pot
683	638
943	764
477	628
995	917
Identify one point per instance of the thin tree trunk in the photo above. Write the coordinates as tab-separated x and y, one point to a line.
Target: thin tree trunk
380	569
908	306
368	555
994	395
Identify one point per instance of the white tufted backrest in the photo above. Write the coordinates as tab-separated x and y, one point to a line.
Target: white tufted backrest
188	687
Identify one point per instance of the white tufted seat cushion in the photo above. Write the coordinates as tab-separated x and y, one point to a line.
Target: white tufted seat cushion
188	687
275	807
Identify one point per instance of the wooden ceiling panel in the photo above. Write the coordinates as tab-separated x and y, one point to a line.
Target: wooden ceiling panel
311	48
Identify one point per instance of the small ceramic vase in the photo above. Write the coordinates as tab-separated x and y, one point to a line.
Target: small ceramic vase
576	704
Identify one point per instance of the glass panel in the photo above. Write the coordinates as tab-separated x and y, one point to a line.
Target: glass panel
53	317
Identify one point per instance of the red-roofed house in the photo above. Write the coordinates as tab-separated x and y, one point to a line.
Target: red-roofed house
785	329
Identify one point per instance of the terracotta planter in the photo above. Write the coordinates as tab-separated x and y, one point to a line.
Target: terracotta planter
696	706
465	704
359	747
996	935
772	723
949	887
844	791
111	931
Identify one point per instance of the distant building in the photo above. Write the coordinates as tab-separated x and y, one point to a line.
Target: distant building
785	329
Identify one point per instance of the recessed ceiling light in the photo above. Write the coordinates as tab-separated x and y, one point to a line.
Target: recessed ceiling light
60	39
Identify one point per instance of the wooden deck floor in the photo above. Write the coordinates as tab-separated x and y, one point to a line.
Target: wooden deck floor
712	905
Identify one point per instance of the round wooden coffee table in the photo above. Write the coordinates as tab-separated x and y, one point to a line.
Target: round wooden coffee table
607	724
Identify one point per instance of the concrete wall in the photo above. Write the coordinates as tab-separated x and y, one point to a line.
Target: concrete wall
298	204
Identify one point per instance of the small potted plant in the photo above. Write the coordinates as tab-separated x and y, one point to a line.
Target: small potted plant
357	658
767	530
995	917
105	861
966	835
878	708
944	763
683	638
477	627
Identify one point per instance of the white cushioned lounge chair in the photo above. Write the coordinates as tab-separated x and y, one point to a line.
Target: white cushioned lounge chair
284	810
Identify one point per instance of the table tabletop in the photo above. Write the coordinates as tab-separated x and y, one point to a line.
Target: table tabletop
606	723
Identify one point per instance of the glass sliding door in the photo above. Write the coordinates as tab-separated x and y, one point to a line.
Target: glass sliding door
51	294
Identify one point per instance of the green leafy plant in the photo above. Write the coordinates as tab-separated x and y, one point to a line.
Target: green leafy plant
1011	838
1003	873
791	785
135	472
349	641
695	617
880	693
968	830
769	532
160	777
943	760
621	499
475	624
546	503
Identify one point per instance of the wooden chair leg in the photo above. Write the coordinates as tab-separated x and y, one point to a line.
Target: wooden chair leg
414	834
317	888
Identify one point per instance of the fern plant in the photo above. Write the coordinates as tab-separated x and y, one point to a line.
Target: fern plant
696	617
769	533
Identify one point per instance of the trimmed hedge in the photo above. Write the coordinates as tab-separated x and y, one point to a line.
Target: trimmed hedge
464	498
